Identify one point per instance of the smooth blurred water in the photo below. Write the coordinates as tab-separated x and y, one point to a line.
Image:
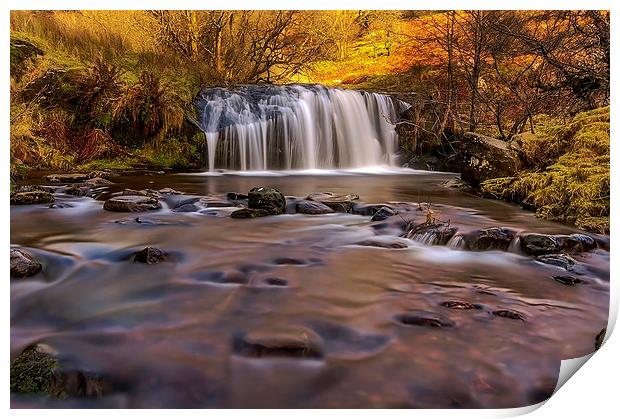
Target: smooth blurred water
297	127
165	334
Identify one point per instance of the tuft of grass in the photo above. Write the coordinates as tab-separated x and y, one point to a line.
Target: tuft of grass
574	185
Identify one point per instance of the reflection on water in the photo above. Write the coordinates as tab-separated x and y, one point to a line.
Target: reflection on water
288	311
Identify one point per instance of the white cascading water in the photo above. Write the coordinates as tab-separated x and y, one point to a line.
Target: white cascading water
297	127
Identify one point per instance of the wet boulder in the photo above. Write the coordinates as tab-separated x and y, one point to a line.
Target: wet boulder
97	182
267	199
68	177
151	193
494	238
386	242
383	213
23	264
339	203
366	209
175	200
484	158
167	191
575	243
38	370
150	256
431	233
77	190
560	260
249	213
235	196
312	207
215	202
131	203
32	197
538	244
186	208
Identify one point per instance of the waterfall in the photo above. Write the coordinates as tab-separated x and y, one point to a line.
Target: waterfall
297	127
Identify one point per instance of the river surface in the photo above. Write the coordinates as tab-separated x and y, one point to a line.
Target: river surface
180	333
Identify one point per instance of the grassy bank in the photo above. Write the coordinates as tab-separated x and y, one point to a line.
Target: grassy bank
567	172
83	95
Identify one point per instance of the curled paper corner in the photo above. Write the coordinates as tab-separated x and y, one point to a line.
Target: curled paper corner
568	368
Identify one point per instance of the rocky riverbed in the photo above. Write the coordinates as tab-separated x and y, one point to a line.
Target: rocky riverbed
330	291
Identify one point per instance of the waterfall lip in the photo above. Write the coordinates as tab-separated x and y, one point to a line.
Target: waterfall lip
358	171
297	127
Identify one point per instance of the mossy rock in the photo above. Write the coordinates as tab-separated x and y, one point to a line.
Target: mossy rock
267	199
249	213
37	370
33	371
32	197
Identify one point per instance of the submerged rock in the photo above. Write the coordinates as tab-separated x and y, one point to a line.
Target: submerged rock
150	255
538	244
567	280
460	305
267	199
339	203
285	344
276	282
32	197
131	203
249	213
384	242
561	260
509	314
38	370
383	213
312	207
422	318
575	243
23	264
495	238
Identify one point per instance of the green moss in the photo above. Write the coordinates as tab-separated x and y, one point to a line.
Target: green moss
32	371
575	187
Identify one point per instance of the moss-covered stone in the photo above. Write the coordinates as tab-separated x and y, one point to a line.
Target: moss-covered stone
267	199
33	371
250	213
32	197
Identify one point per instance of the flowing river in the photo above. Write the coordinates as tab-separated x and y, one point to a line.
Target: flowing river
298	310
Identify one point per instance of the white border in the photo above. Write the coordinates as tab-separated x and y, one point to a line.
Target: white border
591	394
